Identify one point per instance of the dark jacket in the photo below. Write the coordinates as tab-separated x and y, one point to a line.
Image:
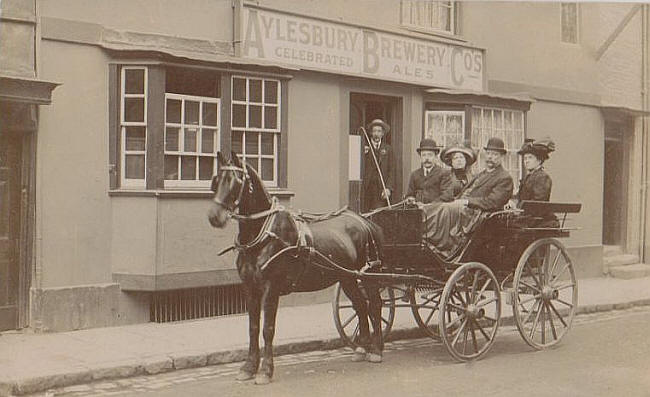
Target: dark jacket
489	191
372	187
536	186
434	187
459	179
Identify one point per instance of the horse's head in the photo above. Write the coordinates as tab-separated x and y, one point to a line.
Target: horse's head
228	185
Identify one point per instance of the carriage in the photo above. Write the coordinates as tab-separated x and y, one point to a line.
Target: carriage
512	255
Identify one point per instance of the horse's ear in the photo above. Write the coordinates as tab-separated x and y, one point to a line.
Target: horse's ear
235	159
220	159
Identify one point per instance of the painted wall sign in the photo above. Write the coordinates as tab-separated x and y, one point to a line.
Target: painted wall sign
338	48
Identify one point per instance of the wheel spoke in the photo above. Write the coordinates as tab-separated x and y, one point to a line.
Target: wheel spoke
429	317
458	332
532	298
355	333
349	320
534	277
484	287
458	308
564	303
533	311
454	321
459	297
557	314
564	286
485	335
529	286
487	302
385	321
474	337
346	307
564	269
539	311
465	338
555	261
543	323
550	320
474	285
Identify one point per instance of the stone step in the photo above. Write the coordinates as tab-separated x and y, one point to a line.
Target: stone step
619	260
627	272
612	250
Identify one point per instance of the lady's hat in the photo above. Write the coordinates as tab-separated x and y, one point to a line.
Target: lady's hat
428	144
496	144
380	122
448	152
540	148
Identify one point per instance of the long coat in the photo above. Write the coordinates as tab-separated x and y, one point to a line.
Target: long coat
436	186
489	191
372	188
536	185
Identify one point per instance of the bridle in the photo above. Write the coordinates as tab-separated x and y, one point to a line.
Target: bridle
241	176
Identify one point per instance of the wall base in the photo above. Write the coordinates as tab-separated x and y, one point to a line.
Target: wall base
88	306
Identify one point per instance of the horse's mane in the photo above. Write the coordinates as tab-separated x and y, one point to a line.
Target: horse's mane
258	185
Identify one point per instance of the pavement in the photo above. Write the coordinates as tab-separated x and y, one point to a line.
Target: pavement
31	363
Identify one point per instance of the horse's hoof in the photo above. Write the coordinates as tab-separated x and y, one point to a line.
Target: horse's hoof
262	379
244	375
374	358
359	355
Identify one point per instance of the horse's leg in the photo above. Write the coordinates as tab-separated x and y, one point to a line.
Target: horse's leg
374	310
249	369
270	298
360	306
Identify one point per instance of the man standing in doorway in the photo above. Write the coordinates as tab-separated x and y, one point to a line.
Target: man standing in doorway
377	157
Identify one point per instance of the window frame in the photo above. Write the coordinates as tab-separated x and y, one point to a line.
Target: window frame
453	17
133	183
277	131
191	183
446	114
154	181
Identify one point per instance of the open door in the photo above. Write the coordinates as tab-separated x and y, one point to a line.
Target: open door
363	109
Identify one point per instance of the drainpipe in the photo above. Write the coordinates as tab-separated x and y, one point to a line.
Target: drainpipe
644	130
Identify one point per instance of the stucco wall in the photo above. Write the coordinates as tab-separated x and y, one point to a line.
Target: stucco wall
73	213
17	38
210	19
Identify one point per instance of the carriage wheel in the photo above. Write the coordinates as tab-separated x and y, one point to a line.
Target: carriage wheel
545	293
347	321
425	302
470	310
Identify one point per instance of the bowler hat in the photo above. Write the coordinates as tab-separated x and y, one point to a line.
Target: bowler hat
428	144
380	122
447	154
540	148
496	144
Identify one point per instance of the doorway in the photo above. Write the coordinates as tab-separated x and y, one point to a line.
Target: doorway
363	109
10	227
615	178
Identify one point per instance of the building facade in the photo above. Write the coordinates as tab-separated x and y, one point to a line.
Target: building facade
116	231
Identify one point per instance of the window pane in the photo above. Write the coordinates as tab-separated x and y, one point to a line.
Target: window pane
255	87
134	109
455	129
191	112
270	91
436	125
253	162
239	115
255	116
173	111
252	144
205	168
171	167
236	144
188	168
267	169
134	166
210	114
134	81
189	142
238	89
519	120
135	138
271	117
207	140
267	143
171	138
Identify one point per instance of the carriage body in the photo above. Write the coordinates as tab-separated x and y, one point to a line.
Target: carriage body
514	254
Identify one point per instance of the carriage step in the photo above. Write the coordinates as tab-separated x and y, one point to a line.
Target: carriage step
610	262
627	272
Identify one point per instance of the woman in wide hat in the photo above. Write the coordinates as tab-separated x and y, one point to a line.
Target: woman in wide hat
536	185
459	158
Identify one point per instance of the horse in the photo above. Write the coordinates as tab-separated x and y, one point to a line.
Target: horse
270	263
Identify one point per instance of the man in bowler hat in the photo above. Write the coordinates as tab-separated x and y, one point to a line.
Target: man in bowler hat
375	194
430	182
